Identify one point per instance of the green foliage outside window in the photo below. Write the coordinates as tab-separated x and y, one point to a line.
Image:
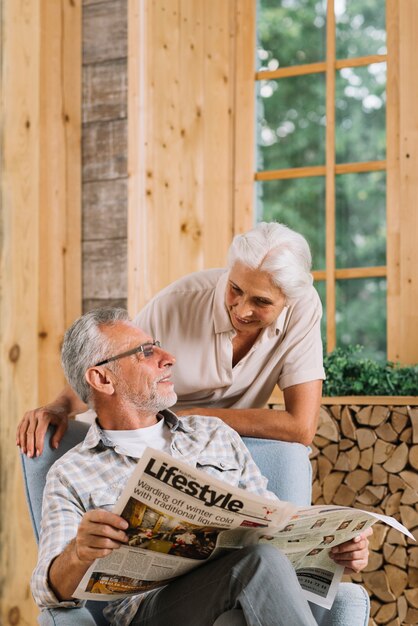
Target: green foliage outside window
350	373
291	125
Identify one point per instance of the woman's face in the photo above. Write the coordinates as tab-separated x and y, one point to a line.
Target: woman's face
252	300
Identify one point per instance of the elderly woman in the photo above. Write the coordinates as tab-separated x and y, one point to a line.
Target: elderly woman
237	332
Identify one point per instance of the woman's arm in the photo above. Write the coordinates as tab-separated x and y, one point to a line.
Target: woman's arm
297	423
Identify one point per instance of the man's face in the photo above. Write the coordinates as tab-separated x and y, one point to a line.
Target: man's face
142	381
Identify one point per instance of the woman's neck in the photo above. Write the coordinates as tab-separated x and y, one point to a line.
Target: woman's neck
242	344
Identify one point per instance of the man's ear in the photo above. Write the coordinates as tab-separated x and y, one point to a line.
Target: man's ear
100	379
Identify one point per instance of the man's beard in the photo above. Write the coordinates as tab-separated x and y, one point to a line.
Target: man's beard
153	402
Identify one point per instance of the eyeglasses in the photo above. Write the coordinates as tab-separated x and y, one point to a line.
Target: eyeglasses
146	349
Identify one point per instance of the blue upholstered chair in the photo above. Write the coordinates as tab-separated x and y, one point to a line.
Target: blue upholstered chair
351	606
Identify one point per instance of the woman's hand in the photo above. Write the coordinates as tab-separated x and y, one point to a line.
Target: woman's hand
30	433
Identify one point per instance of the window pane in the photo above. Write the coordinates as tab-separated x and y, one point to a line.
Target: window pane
300	204
290	32
360	28
291	122
320	286
361	219
360	113
361	315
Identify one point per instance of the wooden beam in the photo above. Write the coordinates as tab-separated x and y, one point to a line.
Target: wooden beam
330	181
137	177
408	158
393	213
244	116
360	61
59	185
317	68
278	398
360	167
293	172
402	182
353	272
40	282
378	400
294	70
320	170
218	131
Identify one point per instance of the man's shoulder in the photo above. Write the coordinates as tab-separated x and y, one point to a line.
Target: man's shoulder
69	462
208	425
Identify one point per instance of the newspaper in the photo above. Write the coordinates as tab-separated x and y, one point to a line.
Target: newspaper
179	517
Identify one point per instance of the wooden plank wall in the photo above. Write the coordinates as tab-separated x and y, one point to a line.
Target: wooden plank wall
40	275
189	62
183	83
105	153
408	148
402	213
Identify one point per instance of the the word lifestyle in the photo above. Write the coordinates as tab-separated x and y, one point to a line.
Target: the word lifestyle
171	475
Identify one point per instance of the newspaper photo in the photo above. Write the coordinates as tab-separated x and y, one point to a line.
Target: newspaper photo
308	538
179	517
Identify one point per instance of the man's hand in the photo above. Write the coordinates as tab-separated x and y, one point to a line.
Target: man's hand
30	433
99	533
353	554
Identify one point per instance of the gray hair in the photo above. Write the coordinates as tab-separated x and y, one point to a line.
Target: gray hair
85	345
280	251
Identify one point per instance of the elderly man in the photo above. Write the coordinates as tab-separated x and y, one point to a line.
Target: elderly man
126	377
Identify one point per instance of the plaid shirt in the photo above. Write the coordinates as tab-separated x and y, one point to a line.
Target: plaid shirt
93	474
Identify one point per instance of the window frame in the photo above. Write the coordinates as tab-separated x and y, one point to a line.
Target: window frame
330	169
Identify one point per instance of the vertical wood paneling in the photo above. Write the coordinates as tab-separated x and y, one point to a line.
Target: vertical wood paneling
218	130
105	151
163	107
152	148
402	181
182	84
40	253
137	178
191	165
59	185
408	153
104	31
244	115
19	276
393	212
330	180
105	91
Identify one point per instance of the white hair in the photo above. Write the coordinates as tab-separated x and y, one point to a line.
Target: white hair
278	250
85	345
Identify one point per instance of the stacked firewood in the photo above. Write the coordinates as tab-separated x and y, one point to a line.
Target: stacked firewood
367	457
